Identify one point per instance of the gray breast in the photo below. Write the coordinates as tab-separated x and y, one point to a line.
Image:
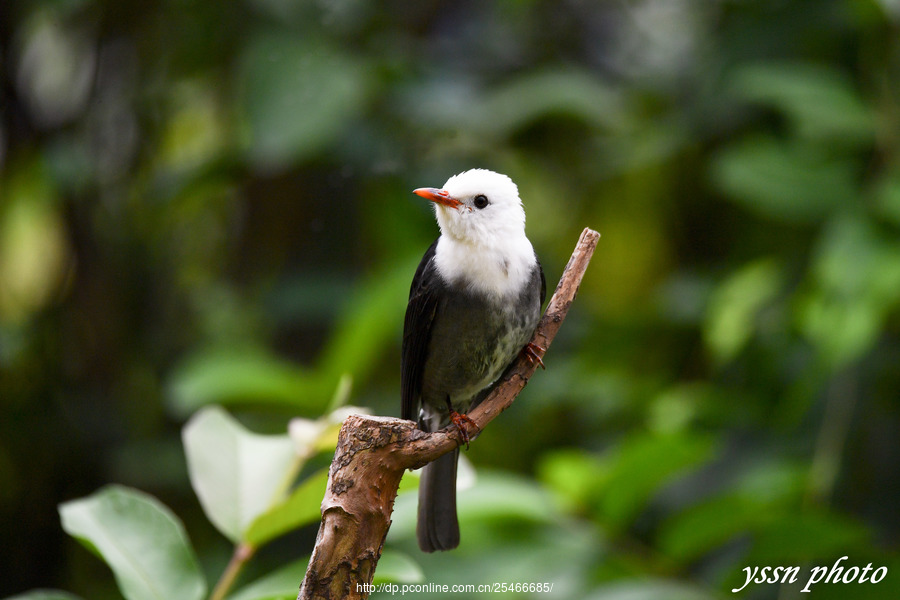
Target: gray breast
473	339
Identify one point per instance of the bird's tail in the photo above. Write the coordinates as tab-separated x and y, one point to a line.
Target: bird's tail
437	527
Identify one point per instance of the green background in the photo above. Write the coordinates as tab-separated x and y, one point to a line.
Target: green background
207	202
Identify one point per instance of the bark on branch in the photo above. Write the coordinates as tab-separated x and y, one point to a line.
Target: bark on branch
373	453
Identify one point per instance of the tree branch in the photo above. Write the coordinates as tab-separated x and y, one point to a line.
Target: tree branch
373	453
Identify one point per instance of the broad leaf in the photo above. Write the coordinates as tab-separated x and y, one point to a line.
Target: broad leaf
498	495
140	539
808	535
787	182
356	346
235	473
619	483
280	584
857	275
283	583
731	317
704	527
637	469
299	95
821	102
397	567
572	475
572	92
253	376
302	507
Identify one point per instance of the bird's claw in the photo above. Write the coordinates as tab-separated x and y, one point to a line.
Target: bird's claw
460	421
533	354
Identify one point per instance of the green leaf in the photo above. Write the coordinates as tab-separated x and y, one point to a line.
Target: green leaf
820	101
299	96
316	435
854	259
140	539
45	595
573	92
704	527
634	471
764	490
281	584
33	245
676	407
887	197
842	329
792	183
497	495
618	484
774	482
302	507
397	567
790	538
857	284
355	348
235	473
231	377
734	305
370	323
572	475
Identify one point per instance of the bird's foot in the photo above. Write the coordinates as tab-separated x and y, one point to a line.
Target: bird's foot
460	421
533	354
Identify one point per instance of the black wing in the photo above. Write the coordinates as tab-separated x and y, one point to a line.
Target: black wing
420	311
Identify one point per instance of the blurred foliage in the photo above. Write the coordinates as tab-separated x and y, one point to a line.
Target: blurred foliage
142	542
206	203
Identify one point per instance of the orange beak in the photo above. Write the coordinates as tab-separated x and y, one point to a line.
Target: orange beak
438	196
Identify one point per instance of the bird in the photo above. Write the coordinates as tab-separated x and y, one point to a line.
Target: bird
474	304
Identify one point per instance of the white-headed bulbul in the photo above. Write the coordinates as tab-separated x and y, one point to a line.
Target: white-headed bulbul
473	306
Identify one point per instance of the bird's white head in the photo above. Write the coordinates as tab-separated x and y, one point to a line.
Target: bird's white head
482	231
478	207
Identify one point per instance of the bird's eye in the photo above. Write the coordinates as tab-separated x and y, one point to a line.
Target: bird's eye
480	201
